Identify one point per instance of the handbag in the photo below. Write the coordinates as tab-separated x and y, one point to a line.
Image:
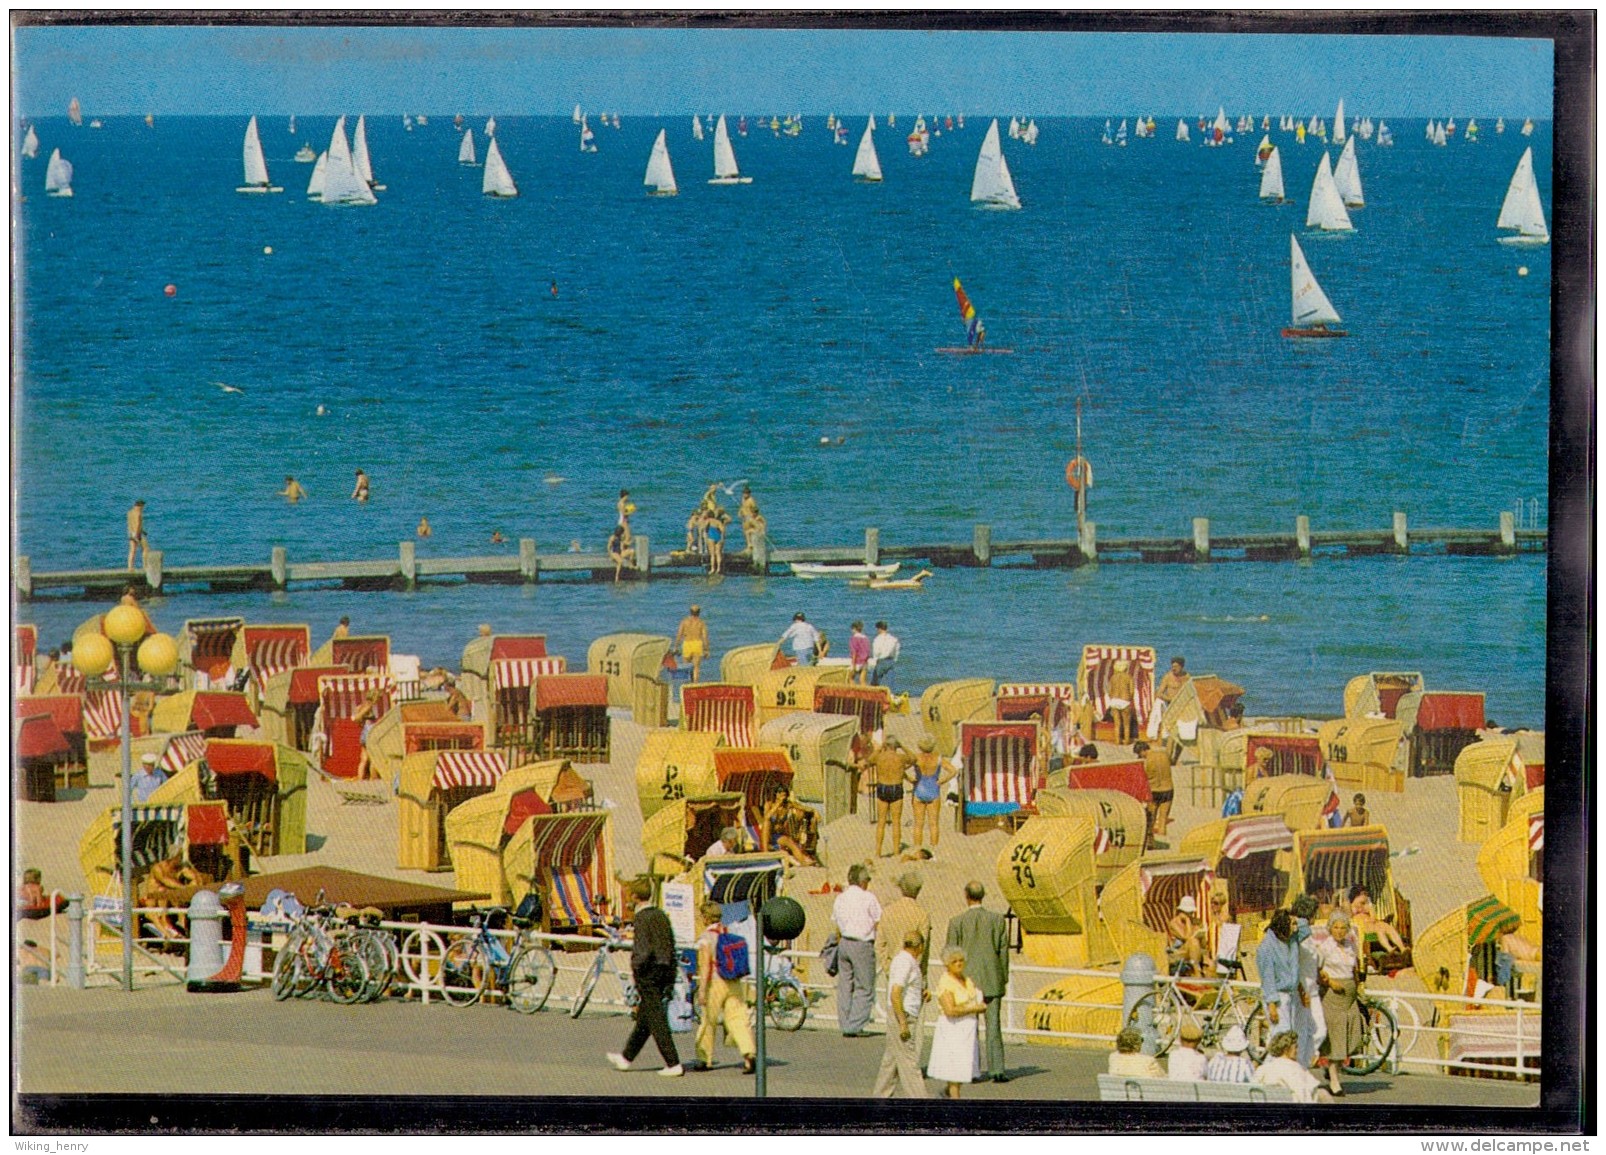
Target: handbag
828	953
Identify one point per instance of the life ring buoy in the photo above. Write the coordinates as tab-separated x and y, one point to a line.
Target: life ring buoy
1079	473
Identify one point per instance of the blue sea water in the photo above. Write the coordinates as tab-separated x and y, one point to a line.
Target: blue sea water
724	332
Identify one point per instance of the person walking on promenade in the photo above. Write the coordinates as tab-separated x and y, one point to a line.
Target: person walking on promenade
1340	957
984	938
1309	1025
890	768
932	773
802	638
691	639
955	1058
900	916
1120	694
723	1000
292	491
137	541
1277	961
359	491
858	655
652	963
906	992
856	914
885	650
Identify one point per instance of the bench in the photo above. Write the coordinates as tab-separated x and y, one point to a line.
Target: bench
1124	1088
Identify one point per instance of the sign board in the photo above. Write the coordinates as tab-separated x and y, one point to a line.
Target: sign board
679	903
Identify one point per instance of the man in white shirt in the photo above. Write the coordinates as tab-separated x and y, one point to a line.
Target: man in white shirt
856	914
900	1062
803	639
884	651
1185	1063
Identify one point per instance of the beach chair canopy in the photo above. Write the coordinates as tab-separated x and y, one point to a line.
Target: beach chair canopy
1346	857
1303	802
1290	754
522	673
1255	834
674	764
513	647
567	859
343	694
65	710
752	772
746	664
1127	777
229	759
559	691
1447	711
687	827
270	650
361	655
1215	694
869	704
1046	875
456	768
180	750
454	735
207	644
1493	766
1052	702
304	681
103	715
1119	820
750	878
946	704
23	659
721	709
1098	663
1536	833
1001	762
1488	919
37	736
69	679
1379	692
622	657
1163	881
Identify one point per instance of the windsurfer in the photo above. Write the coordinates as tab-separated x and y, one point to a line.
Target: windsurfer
980	335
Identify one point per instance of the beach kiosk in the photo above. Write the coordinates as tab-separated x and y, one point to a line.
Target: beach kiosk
264	786
432	784
675	764
1489	777
289	704
1364	753
206	653
621	658
340	697
568	717
718	708
1301	801
745	665
1345	857
510	698
869	704
1093	679
478	830
1046	873
1003	764
820	748
1438	726
568	860
413	727
1379	692
487	649
946	704
266	651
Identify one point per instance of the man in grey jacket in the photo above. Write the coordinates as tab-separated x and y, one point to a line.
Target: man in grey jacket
984	938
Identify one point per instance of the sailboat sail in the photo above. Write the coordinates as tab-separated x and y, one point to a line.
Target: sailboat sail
58	175
660	176
315	183
465	151
490	127
341	184
359	155
497	182
30	143
256	167
866	165
1182	130
1522	210
1347	177
1311	306
992	185
725	170
1326	206
967	314
1271	177
1338	124
75	112
697	128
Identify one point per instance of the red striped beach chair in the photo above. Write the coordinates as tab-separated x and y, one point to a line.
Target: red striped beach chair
361	655
1098	662
206	650
869	704
1003	768
569	863
1290	754
270	650
341	696
719	708
181	750
754	773
511	680
570	717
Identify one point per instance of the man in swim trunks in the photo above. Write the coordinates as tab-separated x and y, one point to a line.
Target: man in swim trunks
292	491
137	540
1157	768
359	492
692	639
1175	678
889	767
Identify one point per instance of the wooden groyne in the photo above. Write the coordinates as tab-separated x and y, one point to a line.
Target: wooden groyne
528	566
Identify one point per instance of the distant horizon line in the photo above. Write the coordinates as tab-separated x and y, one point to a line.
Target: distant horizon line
623	113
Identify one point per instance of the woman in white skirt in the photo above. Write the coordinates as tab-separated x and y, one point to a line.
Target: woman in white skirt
955	1048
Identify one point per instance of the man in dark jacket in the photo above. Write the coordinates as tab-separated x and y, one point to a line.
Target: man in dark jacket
984	938
652	962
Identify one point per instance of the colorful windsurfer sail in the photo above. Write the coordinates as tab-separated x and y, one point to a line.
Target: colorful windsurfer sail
975	332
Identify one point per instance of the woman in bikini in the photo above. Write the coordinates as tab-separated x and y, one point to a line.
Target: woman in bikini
930	773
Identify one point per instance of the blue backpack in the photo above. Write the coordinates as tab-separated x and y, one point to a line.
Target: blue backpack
730	956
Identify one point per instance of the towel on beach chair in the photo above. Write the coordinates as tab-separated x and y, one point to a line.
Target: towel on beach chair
571	893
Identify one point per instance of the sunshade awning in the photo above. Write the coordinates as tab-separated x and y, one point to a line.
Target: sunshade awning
455	768
1536	832
38	737
1442	711
1488	919
571	690
519	673
227	758
565	841
1256	835
212	711
743	881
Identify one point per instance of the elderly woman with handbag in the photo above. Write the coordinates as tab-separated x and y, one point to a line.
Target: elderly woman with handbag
1340	962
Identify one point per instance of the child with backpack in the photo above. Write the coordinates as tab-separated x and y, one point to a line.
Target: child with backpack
723	965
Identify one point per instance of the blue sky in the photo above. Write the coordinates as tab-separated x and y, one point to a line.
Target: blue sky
312	71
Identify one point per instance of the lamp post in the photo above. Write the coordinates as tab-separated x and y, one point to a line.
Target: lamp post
125	650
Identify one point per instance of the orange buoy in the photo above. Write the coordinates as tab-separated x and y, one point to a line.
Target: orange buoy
1079	473
171	290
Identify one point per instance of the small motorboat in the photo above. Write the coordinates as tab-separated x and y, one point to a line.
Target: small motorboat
909	583
859	570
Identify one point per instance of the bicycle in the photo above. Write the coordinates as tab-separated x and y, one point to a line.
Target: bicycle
1380	1034
361	931
475	966
613	940
1169	1008
313	957
785	1000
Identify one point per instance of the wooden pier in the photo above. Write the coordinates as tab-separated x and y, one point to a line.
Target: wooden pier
528	566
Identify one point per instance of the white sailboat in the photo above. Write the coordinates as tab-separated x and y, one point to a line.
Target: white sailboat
578	115
1347	177
498	182
1182	130
1338	124
1521	211
1439	135
1313	313
256	167
660	179
490	127
315	182
465	150
1271	178
588	139
1527	127
58	175
866	165
75	112
292	124
1326	211
696	128
725	170
359	156
341	184
1029	134
1499	125
1263	150
992	186
1385	138
30	143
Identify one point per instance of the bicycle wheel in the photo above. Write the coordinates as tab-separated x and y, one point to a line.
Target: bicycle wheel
379	971
587	985
347	975
788	1005
529	979
1167	1011
1376	1043
465	972
286	974
1245	1009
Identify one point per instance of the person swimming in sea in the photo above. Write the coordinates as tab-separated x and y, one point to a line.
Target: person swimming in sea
359	492
292	491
